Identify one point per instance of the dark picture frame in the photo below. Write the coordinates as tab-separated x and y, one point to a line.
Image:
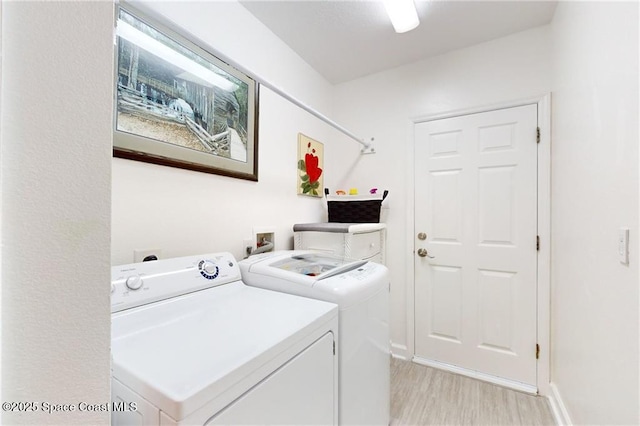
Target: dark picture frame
178	105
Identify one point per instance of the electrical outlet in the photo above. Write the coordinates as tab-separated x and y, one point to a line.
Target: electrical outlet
140	254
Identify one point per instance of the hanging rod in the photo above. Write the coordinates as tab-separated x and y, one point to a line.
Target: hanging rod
367	147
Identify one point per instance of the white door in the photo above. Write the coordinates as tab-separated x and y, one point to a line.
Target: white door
476	201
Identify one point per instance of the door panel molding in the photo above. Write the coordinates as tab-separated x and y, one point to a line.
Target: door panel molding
448	149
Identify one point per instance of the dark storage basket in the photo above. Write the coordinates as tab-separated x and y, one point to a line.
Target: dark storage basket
349	209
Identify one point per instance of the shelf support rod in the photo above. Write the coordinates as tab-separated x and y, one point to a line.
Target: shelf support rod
367	147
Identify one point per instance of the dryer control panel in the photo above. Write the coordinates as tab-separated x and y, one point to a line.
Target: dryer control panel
138	284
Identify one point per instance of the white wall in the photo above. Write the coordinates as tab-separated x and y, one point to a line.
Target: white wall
56	177
595	192
382	105
183	212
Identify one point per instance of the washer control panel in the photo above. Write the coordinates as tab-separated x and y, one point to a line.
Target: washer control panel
138	284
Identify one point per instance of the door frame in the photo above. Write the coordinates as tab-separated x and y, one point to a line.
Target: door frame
543	308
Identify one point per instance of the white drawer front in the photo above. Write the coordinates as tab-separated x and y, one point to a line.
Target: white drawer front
362	246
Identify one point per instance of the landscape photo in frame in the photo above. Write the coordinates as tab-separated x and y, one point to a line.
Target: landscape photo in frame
178	105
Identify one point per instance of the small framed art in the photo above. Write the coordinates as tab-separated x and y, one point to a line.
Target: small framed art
310	166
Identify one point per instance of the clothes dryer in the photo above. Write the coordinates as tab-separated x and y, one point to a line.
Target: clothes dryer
361	290
192	344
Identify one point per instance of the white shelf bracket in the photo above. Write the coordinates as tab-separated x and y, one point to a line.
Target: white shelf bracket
368	148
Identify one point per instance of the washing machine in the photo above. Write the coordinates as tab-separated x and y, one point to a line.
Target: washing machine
361	290
193	345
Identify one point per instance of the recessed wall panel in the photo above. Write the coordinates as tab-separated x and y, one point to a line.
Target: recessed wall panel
500	137
496	206
497	292
446	206
446	302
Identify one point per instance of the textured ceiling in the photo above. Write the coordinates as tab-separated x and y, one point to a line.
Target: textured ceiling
344	40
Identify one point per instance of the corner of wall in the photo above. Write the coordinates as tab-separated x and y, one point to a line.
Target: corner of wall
56	100
558	408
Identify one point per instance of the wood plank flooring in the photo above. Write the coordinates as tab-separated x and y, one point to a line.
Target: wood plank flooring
423	395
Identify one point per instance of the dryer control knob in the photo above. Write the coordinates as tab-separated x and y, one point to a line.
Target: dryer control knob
134	282
209	267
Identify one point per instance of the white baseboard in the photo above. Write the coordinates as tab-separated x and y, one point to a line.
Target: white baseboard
511	384
558	409
400	352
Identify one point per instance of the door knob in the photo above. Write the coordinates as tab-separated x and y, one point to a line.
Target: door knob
424	253
422	236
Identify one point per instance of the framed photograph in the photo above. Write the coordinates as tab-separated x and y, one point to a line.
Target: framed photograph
178	105
310	165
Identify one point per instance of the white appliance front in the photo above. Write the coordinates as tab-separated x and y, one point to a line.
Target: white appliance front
222	352
361	290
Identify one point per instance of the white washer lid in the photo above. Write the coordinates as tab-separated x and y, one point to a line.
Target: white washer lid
183	352
345	286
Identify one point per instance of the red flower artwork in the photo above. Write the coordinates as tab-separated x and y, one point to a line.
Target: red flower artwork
311	171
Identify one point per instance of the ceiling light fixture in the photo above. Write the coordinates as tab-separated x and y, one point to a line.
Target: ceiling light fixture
403	14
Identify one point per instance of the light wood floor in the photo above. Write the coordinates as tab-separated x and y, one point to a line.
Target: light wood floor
427	396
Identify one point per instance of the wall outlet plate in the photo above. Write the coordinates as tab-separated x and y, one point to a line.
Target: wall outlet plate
140	254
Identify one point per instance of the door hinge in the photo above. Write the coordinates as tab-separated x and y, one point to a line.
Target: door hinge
334	347
537	242
537	351
537	134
